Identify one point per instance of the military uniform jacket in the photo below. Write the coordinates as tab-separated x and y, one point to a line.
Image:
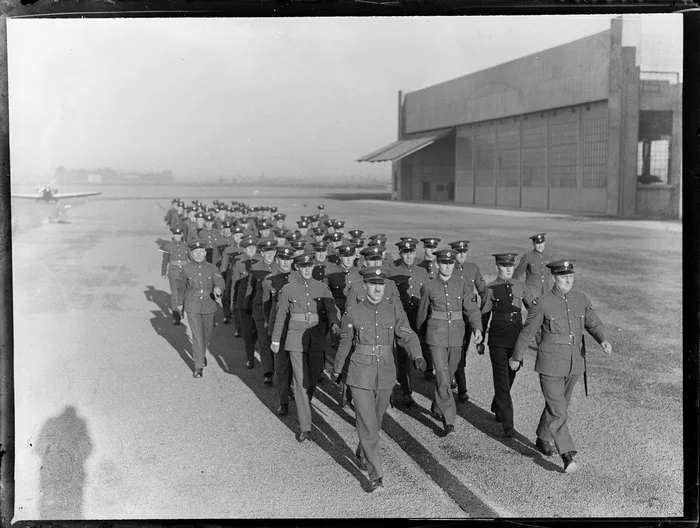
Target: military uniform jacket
409	281
358	294
310	299
367	325
258	272
431	266
223	242
271	287
239	280
440	297
175	255
471	273
538	278
563	319
229	255
320	270
193	233
340	281
502	304
201	280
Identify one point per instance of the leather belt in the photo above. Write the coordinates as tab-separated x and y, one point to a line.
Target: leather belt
562	339
506	316
446	316
307	317
374	350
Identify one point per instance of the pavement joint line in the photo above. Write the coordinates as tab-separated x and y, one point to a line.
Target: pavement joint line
442	459
349	435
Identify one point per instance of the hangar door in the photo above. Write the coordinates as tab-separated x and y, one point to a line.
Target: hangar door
577	158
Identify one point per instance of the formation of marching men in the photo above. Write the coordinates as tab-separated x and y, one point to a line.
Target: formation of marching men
318	301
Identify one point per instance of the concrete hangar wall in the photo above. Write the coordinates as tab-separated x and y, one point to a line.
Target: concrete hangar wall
558	130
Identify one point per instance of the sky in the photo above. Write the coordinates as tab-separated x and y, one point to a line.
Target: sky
284	97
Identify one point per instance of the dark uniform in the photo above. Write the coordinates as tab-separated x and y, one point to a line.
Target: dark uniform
243	304
562	319
440	317
470	273
533	264
175	256
306	309
200	307
409	282
502	305
431	267
258	272
370	329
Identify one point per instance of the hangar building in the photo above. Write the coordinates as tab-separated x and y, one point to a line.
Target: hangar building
580	128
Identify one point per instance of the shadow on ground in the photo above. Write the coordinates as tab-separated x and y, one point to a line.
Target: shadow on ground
64	446
162	322
477	417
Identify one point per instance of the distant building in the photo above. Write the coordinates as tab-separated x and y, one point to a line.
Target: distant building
111	177
581	128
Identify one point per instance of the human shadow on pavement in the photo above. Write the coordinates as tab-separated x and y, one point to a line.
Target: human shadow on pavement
480	419
64	446
175	335
229	353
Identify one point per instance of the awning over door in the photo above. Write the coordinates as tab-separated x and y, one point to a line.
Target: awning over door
404	147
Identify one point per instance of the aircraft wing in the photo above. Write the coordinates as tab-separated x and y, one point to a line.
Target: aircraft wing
63	196
25	196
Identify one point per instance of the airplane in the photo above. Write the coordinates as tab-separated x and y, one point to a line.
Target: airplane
49	194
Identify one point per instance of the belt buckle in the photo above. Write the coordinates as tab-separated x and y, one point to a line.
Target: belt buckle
307	317
374	349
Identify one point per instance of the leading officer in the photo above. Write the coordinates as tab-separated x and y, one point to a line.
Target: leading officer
371	328
562	315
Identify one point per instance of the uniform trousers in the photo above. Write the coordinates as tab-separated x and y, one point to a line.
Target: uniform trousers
553	426
461	374
177	292
503	378
202	328
445	360
266	356
249	332
427	356
305	370
283	375
370	406
403	369
226	297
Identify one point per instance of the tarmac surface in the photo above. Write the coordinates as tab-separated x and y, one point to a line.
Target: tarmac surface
110	423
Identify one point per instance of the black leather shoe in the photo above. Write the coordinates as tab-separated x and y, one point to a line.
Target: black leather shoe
375	486
449	429
282	410
227	320
509	433
236	334
305	436
436	414
463	397
453	385
249	364
408	400
361	459
429	375
268	380
546	448
570	464
197	373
